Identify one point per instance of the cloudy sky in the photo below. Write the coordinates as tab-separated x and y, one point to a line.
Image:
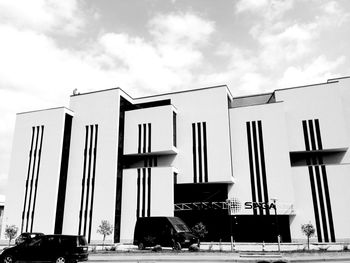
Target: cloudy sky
50	47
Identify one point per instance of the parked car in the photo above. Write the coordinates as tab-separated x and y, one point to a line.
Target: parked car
24	237
48	248
163	231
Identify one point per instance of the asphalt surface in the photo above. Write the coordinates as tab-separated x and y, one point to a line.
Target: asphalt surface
219	257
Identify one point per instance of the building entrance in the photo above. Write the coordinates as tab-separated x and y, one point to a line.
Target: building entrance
245	228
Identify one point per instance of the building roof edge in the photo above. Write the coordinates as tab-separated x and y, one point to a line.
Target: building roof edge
54	108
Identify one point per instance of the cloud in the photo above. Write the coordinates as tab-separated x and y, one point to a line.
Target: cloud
42	15
269	9
36	72
285	39
251	5
181	29
287	49
169	57
318	70
33	63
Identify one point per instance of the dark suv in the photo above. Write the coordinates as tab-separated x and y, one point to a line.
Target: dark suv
164	231
48	248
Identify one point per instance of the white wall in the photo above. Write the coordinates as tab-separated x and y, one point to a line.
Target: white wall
344	87
161	120
45	208
338	182
203	105
321	102
162	198
101	108
279	181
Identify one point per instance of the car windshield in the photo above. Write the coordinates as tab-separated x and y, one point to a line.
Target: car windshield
181	228
179	225
82	241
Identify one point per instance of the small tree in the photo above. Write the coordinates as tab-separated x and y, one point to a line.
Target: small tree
105	229
200	230
309	231
11	232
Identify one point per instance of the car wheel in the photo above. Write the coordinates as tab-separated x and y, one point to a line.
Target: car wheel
177	246
141	246
61	260
9	259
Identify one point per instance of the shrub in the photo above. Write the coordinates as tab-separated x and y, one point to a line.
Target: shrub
200	230
11	232
93	249
323	248
113	248
193	248
157	248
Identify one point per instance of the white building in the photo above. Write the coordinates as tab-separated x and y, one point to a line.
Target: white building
113	157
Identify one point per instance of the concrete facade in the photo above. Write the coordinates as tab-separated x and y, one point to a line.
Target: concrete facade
281	158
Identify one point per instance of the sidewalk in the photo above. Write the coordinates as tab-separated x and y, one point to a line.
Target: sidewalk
219	257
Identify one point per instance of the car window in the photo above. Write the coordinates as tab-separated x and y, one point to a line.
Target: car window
51	241
82	241
35	243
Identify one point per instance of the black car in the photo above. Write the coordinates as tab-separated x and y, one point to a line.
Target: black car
48	248
164	231
24	237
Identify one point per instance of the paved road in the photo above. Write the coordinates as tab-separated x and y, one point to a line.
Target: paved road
212	257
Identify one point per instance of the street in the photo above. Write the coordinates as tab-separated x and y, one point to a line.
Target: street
215	257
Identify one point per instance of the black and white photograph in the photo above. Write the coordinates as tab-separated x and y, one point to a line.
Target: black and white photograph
174	131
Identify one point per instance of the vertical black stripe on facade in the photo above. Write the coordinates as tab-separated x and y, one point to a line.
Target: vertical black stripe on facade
257	166
322	206
88	180
61	196
205	154
149	137
138	192
318	134
83	179
325	184
143	192
149	193
263	166
200	172
27	181
251	166
306	136
93	183
328	202
312	136
174	129
319	140
139	139
312	181
144	138
124	105
194	149
37	177
32	176
314	199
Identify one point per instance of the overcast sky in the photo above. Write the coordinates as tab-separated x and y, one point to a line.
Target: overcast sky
48	48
